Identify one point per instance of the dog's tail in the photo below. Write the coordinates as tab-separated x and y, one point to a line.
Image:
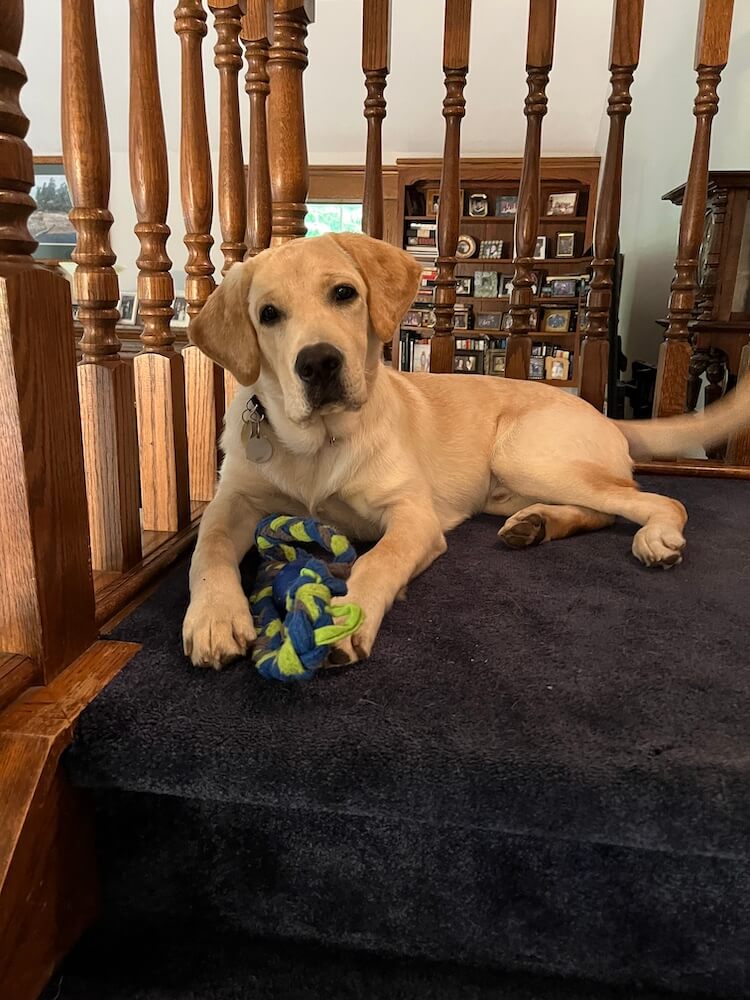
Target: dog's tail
672	437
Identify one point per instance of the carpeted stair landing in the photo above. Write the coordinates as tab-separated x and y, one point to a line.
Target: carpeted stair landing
544	768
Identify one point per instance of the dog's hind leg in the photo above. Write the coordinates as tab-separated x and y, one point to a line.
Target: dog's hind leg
541	522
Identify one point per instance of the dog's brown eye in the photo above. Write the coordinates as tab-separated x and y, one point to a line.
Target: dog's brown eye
342	293
269	314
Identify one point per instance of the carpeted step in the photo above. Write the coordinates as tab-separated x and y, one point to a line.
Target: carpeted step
545	766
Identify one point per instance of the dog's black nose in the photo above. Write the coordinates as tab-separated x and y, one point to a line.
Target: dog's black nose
319	365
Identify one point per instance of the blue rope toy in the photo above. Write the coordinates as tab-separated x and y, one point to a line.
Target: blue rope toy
292	582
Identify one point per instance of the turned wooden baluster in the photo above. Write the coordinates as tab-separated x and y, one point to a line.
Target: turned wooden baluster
627	22
105	381
714	30
455	67
47	596
539	51
231	180
257	32
287	142
159	370
376	55
204	388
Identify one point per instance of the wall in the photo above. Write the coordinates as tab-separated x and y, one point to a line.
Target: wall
659	130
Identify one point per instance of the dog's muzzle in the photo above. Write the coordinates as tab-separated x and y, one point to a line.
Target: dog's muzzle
320	368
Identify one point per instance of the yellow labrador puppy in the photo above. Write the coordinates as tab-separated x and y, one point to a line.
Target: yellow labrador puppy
330	431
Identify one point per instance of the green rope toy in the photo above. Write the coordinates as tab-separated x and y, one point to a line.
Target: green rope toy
293	583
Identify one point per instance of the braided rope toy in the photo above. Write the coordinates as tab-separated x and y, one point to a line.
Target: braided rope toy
293	582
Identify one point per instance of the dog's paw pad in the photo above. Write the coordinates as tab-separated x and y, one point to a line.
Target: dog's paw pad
523	530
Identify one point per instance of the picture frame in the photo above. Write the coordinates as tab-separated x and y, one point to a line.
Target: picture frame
533	318
75	312
537	368
504	283
413	319
464	285
556	320
180	318
488	321
468	362
491	249
556	368
421	357
496	362
506	206
540	248
485	284
432	202
478	205
562	203
566	245
50	224
563	287
507	321
128	308
466	247
461	319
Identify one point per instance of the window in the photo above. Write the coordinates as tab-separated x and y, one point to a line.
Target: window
333	217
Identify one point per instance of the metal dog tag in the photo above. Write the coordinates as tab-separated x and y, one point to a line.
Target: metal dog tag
258	449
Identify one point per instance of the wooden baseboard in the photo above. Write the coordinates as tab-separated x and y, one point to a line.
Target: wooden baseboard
48	882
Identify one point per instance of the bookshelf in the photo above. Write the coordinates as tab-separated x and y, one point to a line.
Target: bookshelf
568	188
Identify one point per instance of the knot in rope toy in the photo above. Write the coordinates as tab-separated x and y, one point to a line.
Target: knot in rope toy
293	583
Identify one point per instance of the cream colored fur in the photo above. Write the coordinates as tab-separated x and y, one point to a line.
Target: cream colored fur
414	455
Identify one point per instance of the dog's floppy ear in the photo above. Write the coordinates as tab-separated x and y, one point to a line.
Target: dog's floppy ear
222	329
391	275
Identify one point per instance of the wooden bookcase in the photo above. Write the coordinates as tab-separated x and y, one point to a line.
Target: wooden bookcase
499	178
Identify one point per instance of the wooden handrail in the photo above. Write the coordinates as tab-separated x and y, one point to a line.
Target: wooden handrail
376	56
105	381
712	50
627	22
159	371
456	34
539	53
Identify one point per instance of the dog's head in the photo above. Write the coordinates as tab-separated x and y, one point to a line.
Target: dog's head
312	315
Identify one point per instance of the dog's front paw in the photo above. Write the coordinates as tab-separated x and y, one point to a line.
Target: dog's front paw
358	646
216	632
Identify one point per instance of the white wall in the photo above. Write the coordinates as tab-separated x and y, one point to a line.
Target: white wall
659	130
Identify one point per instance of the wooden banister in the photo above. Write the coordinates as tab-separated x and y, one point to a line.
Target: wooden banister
228	61
287	142
47	596
159	371
105	381
456	33
257	32
712	50
376	56
204	388
627	23
539	53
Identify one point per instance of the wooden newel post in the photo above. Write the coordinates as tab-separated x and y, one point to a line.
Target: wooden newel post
47	597
287	141
712	50
376	56
455	67
159	371
539	53
204	389
105	381
627	22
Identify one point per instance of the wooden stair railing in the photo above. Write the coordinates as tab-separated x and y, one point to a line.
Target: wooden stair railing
539	52
204	388
627	23
47	596
159	370
456	35
711	53
257	33
105	381
376	57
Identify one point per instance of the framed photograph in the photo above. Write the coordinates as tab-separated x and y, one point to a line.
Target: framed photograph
562	204
432	201
536	367
128	306
556	320
506	205
478	205
421	359
412	320
563	287
463	286
49	224
507	322
461	319
540	250
504	284
429	318
488	321
466	247
468	361
180	319
485	284
491	249
556	368
566	245
496	363
533	319
75	312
